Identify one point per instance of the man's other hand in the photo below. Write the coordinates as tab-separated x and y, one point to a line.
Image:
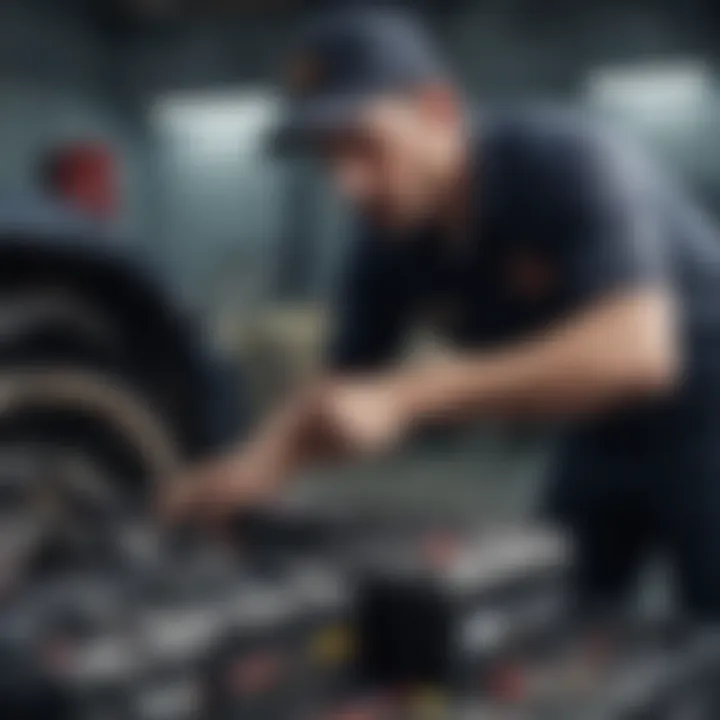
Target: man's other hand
339	418
216	489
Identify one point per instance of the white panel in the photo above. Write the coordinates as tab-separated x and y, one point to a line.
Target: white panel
223	191
666	97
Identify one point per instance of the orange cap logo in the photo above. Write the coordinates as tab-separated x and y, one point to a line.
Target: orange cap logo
304	75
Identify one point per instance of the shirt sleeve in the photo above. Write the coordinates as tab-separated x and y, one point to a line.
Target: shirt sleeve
613	236
371	313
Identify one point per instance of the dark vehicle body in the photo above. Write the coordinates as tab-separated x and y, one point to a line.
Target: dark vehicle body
76	298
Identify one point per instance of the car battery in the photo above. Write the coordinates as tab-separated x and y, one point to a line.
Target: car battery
441	609
327	550
435	602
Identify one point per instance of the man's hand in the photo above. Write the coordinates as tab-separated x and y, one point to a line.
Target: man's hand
216	489
363	417
335	419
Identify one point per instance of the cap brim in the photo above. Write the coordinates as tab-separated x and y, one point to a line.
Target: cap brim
303	124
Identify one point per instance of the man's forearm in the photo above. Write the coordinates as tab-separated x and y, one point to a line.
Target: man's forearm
584	366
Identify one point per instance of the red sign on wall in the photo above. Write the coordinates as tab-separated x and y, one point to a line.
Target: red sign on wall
85	175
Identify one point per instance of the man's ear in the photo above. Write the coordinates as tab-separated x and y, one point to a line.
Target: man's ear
440	101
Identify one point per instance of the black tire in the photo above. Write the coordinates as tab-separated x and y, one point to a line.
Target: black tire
78	305
95	413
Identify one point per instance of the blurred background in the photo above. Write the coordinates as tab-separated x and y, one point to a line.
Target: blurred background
172	98
163	281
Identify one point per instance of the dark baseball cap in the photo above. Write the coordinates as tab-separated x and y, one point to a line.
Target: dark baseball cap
343	59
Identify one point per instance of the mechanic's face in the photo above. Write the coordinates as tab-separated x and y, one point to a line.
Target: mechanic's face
394	162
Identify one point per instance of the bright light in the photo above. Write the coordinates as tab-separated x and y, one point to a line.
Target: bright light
664	94
217	122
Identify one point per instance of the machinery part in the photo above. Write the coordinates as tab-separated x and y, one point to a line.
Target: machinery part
113	313
26	693
35	312
81	434
96	395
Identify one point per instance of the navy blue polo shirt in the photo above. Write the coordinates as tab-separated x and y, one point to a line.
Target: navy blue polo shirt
564	214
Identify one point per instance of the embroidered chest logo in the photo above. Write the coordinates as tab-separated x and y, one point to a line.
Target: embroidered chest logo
531	277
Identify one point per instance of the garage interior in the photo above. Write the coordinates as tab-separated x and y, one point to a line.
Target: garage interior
206	282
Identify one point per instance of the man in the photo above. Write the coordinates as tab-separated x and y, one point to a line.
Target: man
579	286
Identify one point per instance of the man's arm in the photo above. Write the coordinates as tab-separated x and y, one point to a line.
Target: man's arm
619	349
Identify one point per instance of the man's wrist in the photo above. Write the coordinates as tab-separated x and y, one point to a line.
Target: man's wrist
431	392
411	396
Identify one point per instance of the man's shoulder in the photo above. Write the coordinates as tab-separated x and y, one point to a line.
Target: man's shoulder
535	128
555	150
561	141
